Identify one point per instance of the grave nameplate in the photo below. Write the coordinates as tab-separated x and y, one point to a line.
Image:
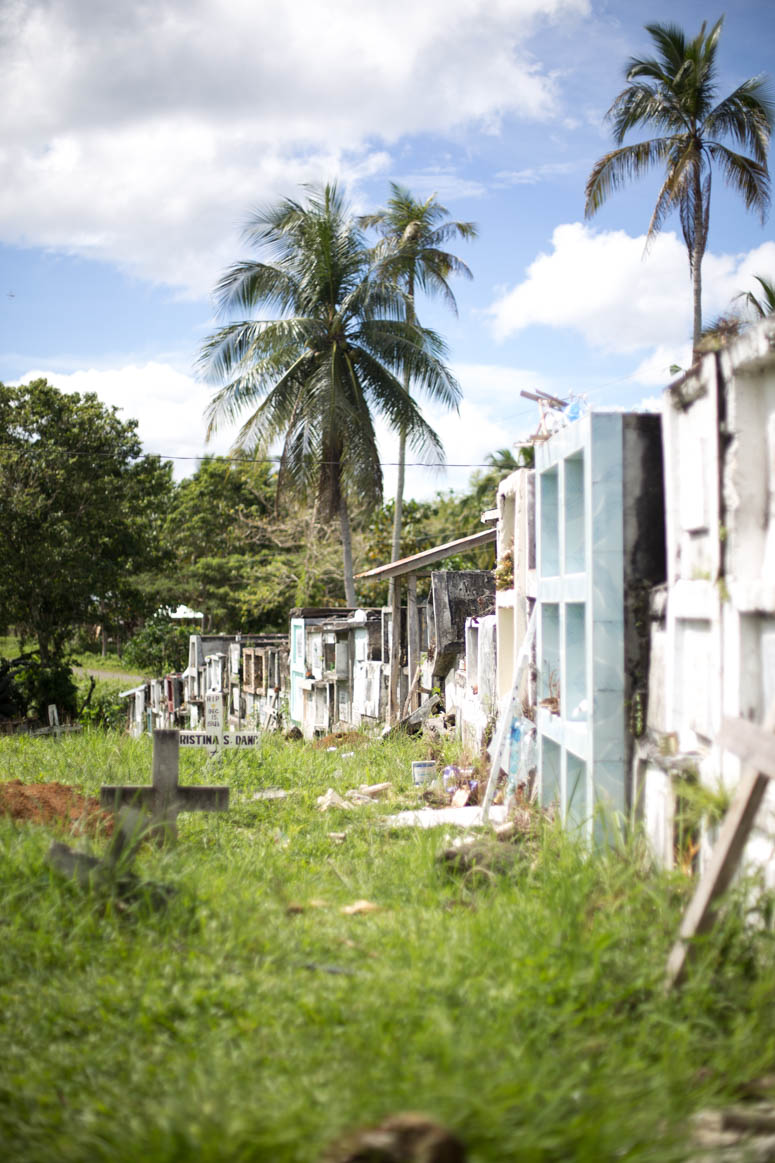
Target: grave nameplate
213	737
227	741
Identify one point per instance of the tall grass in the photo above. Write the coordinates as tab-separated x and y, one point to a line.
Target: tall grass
525	1010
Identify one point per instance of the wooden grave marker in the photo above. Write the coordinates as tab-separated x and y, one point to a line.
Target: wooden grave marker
165	798
755	746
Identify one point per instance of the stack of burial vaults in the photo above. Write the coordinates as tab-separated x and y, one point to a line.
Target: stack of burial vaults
600	549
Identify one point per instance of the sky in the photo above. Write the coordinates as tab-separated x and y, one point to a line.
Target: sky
136	139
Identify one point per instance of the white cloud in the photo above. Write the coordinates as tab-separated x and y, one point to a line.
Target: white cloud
534	174
168	405
601	285
142	133
654	370
492	415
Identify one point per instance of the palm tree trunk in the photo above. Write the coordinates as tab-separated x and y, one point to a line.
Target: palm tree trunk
698	251
398	512
347	553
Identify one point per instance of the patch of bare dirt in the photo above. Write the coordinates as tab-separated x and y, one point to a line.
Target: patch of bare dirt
54	804
339	739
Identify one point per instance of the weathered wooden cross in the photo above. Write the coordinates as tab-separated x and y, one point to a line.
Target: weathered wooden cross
755	746
165	797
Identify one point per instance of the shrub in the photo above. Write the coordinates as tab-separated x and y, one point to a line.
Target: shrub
100	704
30	686
160	647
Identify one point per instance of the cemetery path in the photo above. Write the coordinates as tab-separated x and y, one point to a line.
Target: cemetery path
110	674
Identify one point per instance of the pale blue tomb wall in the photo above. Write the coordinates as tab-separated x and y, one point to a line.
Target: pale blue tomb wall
601	546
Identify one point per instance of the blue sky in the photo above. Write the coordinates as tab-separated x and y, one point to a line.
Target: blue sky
136	139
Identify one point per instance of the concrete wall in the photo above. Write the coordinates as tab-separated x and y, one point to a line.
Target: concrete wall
713	637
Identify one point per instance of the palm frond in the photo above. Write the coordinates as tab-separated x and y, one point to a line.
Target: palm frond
750	178
248	285
747	116
616	168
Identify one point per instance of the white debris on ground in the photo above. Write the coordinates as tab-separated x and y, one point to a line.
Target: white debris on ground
468	817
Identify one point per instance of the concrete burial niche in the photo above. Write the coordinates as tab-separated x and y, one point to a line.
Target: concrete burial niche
600	549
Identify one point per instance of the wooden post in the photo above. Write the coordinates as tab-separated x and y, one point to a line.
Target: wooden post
757	746
412	638
395	654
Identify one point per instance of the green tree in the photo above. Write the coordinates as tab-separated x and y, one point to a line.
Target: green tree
83	511
208	528
413	235
313	377
675	93
161	646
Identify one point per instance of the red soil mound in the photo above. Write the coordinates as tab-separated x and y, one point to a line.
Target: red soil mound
54	803
342	738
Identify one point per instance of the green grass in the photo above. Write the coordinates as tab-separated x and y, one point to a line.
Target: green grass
106	662
525	1011
10	647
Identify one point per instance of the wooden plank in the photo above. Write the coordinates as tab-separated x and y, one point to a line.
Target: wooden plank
734	833
431	556
751	743
412	638
395	653
413	694
735	830
413	723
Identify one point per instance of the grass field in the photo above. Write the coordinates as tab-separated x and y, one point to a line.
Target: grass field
524	1009
107	664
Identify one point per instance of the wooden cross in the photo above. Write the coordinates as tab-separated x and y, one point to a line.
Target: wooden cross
755	746
165	797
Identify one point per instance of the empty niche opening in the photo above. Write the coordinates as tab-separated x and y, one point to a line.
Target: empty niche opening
550	650
575	561
550	532
472	655
576	661
506	531
506	656
551	760
576	785
298	644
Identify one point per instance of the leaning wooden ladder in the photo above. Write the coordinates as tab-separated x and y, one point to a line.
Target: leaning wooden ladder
513	710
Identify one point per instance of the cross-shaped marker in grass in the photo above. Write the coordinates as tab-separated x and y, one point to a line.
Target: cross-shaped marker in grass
165	797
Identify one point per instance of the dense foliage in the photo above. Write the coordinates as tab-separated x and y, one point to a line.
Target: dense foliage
82	513
160	646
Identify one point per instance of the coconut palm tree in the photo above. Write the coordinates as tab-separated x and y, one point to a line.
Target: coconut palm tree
313	375
675	93
762	304
413	234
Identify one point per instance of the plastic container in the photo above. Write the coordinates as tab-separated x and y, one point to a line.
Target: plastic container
423	771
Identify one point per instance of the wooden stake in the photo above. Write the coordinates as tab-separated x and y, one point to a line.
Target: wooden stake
751	743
